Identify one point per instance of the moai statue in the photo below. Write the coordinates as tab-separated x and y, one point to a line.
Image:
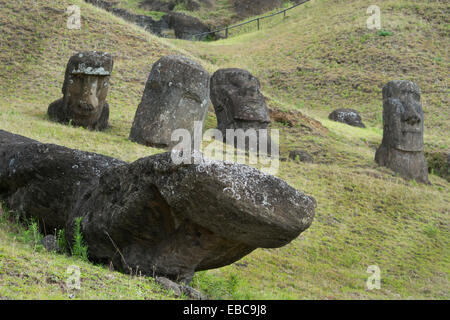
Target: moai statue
85	88
175	97
402	147
239	104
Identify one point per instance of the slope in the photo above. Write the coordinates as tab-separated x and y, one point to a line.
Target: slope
365	215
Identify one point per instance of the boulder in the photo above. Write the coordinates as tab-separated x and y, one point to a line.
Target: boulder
169	5
153	215
185	26
247	8
180	289
239	103
169	285
158	27
402	146
175	96
157	5
348	116
49	243
86	84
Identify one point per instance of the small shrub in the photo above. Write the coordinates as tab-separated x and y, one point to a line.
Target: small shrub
385	33
61	240
218	287
431	231
32	235
79	248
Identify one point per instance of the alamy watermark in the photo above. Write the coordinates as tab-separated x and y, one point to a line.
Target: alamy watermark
74	19
250	146
374	21
374	281
73	281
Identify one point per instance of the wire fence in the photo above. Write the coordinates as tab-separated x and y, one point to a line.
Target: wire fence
247	26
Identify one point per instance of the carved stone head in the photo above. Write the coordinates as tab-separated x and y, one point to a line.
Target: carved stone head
402	116
235	94
176	96
86	84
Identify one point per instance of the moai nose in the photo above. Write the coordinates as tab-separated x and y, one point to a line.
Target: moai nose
90	93
411	116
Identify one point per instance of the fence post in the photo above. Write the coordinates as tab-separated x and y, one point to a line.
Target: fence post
258	23
284	13
226	32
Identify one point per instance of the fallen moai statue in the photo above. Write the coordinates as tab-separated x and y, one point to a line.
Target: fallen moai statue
153	215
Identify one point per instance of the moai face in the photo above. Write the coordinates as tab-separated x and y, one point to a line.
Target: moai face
238	92
176	96
86	94
403	116
86	84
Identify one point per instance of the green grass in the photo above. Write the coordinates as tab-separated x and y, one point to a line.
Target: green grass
319	59
27	271
220	14
80	249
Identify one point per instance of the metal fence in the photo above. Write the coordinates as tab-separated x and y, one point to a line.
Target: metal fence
245	27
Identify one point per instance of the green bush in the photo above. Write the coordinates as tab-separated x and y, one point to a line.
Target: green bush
79	248
32	235
61	240
218	287
385	33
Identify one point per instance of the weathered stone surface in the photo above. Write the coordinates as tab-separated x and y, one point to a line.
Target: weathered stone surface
158	5
185	26
158	27
300	155
153	215
238	102
348	116
175	96
402	147
170	285
192	293
86	84
246	8
49	243
179	289
169	5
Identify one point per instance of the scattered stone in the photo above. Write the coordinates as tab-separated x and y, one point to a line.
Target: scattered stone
402	147
152	215
175	96
169	285
239	104
49	242
158	27
86	84
158	5
179	289
192	293
169	5
248	8
185	26
348	116
300	155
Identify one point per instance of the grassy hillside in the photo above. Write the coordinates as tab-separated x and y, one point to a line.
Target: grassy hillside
27	271
219	13
323	57
320	58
